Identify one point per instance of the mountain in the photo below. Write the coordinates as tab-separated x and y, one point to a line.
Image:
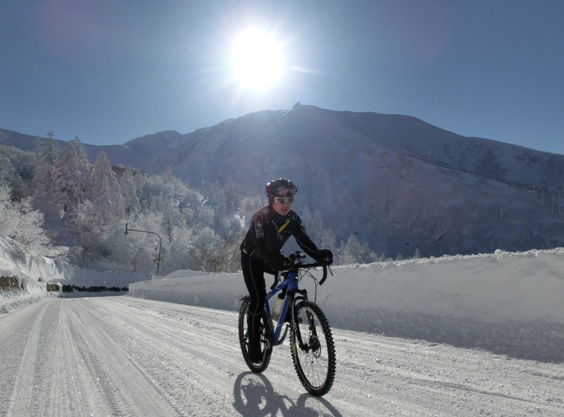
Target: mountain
393	181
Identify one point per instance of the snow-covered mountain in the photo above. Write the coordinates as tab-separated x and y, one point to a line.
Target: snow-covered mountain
393	181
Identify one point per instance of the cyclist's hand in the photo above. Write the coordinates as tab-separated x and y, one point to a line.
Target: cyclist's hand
324	256
279	262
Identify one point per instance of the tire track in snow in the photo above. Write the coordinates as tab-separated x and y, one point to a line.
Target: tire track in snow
122	356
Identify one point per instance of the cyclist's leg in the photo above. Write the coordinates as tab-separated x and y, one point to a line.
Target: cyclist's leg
253	274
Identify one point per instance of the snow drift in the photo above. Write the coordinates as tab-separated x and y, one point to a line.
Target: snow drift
508	303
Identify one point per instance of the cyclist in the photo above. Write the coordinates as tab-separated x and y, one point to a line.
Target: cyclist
270	228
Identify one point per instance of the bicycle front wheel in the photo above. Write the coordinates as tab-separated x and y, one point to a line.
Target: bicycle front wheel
313	350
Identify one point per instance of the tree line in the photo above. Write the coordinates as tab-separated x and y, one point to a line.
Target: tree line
54	202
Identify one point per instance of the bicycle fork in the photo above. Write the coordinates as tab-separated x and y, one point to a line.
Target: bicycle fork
312	342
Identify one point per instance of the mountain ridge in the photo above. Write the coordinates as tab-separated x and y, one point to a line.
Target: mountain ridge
394	181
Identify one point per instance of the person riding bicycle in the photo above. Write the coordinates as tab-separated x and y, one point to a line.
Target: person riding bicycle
270	228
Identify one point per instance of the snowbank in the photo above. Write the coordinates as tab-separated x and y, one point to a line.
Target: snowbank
491	288
31	271
505	302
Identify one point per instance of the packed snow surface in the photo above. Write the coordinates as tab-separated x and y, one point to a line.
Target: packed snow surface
466	335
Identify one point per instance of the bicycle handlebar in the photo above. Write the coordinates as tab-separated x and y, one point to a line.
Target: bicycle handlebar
296	264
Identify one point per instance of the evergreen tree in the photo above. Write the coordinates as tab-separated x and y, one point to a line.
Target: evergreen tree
354	252
105	193
129	192
8	217
43	183
11	178
313	223
71	181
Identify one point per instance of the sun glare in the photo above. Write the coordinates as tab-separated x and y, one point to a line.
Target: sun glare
257	59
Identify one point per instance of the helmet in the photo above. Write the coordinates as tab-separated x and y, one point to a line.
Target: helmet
281	188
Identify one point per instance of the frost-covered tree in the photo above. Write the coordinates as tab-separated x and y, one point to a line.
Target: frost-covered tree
355	252
129	192
322	236
206	253
29	232
224	197
9	177
20	222
8	218
6	170
46	154
43	183
90	232
181	244
143	248
72	175
105	193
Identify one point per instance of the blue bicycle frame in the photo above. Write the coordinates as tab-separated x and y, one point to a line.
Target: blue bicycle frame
290	284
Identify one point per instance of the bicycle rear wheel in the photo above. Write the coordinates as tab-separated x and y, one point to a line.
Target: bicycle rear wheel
313	350
265	339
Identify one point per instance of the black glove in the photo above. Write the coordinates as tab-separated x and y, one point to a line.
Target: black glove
324	256
279	262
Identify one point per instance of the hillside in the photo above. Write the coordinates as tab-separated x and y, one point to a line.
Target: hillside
393	181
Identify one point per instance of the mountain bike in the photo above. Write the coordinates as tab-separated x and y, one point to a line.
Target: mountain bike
311	341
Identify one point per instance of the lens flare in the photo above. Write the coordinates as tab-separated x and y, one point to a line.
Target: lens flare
257	59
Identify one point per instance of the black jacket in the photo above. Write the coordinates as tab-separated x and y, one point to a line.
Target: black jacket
269	232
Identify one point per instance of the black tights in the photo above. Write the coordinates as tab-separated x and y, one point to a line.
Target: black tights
253	274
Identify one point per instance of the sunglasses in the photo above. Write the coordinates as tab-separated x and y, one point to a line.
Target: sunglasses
284	200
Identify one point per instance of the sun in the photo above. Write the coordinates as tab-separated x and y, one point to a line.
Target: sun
257	59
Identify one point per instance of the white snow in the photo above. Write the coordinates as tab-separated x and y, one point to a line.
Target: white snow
525	286
506	302
509	303
179	355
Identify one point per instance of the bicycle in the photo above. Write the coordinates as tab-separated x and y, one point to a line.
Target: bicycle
311	340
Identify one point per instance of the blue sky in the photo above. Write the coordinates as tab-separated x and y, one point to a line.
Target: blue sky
109	71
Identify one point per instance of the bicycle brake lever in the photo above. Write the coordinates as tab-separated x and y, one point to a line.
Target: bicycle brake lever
324	275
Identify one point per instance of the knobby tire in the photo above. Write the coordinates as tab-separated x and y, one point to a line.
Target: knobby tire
266	339
313	349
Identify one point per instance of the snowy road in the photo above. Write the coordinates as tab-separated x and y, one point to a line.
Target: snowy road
123	356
